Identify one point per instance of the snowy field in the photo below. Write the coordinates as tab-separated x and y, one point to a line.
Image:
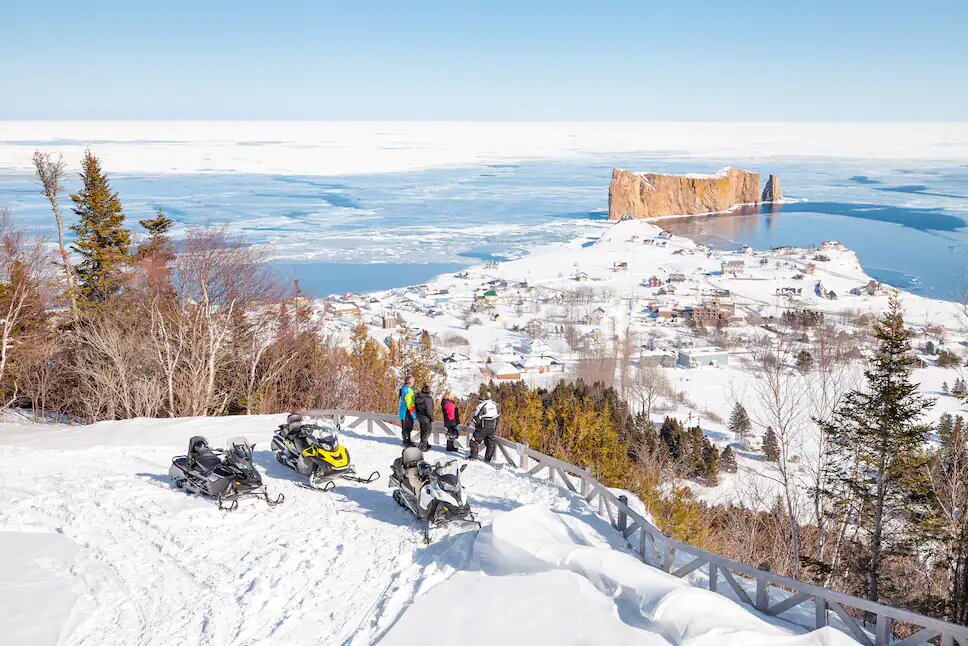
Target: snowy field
336	148
97	548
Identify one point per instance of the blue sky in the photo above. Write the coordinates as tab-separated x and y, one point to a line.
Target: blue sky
612	60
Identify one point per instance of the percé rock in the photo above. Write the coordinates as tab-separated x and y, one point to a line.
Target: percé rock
772	192
650	195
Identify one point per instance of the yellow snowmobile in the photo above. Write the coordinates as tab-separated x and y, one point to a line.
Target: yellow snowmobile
312	448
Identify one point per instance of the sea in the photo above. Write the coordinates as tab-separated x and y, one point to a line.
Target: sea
907	221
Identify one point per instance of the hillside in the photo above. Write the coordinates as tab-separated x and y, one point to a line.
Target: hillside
90	526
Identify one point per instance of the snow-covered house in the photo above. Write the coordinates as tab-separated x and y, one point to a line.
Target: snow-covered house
536	347
677	278
663	358
620	266
703	356
344	308
597	316
653	281
456	360
504	371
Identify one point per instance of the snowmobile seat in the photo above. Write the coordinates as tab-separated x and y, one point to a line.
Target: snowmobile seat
201	456
412	456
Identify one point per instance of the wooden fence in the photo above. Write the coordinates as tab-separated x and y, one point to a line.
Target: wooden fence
801	603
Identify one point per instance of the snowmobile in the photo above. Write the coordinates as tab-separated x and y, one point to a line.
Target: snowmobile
312	448
223	474
430	492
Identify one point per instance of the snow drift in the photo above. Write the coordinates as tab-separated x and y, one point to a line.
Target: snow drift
97	548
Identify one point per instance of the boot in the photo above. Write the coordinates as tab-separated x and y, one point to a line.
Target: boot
424	446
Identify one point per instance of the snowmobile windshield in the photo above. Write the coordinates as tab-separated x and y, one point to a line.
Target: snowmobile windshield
448	475
449	482
323	433
240	448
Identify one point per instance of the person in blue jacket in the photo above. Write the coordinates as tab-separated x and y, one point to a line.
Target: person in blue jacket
408	409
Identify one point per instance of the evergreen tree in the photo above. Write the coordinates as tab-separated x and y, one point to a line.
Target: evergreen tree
158	244
771	445
102	240
944	427
944	388
671	435
727	461
739	422
876	442
958	390
711	459
804	361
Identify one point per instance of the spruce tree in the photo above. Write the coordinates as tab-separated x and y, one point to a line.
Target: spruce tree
944	426
671	435
158	244
771	445
102	240
944	388
876	442
739	422
727	461
711	459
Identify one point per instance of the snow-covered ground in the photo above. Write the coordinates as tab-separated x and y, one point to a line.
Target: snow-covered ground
97	548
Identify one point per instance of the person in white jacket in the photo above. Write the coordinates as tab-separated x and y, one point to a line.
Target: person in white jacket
485	419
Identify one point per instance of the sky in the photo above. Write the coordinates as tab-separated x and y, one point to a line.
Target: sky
493	60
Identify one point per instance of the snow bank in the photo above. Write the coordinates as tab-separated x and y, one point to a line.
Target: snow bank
97	548
550	578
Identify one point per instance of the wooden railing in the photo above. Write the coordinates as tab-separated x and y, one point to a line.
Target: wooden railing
765	591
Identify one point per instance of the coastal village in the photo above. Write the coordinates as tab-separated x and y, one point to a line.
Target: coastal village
638	300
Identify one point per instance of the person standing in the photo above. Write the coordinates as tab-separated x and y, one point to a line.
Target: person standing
408	414
448	406
485	420
425	416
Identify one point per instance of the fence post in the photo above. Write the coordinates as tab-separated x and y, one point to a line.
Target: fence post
622	519
762	599
882	630
369	426
522	456
713	576
819	612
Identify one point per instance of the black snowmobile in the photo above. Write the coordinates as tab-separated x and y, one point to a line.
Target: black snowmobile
430	492
312	448
225	475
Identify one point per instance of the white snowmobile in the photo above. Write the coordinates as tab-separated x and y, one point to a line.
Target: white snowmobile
312	448
223	474
430	492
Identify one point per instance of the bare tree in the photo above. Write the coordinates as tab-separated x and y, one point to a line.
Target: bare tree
24	270
782	406
647	386
50	172
826	385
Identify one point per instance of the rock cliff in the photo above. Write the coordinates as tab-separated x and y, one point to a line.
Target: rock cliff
772	192
649	195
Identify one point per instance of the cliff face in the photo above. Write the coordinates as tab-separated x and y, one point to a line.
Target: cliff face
772	192
649	195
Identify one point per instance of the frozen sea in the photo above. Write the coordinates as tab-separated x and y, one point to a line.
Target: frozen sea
908	220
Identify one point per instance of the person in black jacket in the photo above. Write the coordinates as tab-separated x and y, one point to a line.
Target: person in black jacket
425	416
